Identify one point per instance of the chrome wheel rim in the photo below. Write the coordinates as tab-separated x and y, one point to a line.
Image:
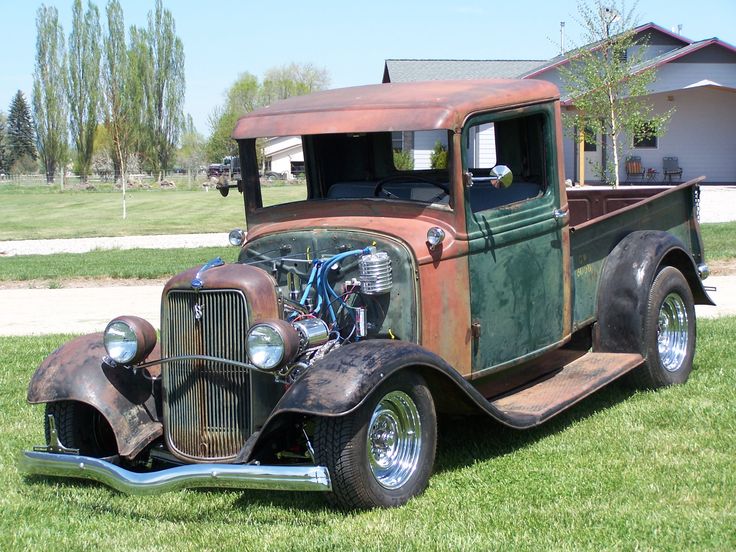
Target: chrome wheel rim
672	332
394	440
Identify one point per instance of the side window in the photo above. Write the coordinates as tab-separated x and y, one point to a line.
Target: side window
517	143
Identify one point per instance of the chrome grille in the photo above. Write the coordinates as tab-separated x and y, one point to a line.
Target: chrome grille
206	403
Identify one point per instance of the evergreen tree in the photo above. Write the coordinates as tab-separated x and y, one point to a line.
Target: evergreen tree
21	138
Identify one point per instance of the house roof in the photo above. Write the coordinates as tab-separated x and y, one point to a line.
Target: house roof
566	57
413	70
393	106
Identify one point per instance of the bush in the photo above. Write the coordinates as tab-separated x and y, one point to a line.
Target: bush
403	160
438	158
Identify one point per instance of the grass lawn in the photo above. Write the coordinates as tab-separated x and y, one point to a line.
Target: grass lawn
622	470
114	263
74	214
720	240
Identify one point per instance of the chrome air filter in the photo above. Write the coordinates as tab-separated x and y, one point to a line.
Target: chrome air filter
375	273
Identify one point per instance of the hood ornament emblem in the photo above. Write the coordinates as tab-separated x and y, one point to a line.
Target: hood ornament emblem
197	282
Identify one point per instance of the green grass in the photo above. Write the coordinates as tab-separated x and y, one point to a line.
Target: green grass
622	470
73	214
720	240
115	263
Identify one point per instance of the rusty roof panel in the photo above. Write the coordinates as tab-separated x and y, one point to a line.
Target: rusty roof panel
392	106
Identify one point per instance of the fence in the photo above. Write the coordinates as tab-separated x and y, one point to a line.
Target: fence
103	184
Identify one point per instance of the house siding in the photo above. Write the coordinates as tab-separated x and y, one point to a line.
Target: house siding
700	134
674	76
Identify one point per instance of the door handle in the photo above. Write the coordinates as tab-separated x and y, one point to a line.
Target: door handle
561	215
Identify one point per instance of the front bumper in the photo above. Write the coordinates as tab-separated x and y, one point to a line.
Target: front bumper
233	476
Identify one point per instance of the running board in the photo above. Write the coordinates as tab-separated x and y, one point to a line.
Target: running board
540	401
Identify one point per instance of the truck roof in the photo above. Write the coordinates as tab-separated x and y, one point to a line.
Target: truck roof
392	106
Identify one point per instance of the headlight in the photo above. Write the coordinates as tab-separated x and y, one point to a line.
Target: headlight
129	339
270	345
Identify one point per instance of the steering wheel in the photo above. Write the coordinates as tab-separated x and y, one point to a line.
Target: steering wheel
408	179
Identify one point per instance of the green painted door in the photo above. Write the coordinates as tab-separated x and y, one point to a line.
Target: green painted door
516	255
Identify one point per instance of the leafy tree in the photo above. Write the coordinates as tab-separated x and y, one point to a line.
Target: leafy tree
83	84
247	94
191	154
438	157
163	88
292	79
118	89
605	84
49	84
3	143
21	138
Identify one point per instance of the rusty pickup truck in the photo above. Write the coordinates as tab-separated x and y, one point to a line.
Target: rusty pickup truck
432	262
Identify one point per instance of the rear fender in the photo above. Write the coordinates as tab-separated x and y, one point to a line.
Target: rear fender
75	372
623	291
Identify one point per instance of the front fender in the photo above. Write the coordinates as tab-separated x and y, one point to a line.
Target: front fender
75	372
344	379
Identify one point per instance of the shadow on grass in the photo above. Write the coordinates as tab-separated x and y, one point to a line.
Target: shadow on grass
462	440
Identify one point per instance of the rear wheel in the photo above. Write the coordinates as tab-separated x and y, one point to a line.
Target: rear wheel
669	332
80	426
382	454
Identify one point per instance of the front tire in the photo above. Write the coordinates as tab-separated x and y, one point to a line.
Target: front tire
669	332
80	426
382	454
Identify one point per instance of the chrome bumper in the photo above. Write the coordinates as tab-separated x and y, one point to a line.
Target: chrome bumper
234	476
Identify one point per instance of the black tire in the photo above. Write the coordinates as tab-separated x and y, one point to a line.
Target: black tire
392	469
669	332
80	426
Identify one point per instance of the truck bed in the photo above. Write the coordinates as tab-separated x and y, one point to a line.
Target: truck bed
601	217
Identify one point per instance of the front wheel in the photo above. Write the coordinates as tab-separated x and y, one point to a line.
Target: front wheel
80	426
382	454
669	332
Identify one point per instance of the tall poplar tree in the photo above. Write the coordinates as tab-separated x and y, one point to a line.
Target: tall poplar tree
19	130
49	86
116	81
164	88
83	85
3	144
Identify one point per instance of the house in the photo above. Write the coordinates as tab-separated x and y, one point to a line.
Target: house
696	78
284	155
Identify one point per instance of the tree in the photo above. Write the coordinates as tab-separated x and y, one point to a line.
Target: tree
122	96
3	143
438	157
606	85
163	88
247	94
49	84
191	153
83	83
21	138
290	80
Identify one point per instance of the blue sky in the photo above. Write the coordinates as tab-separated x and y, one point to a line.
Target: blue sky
223	38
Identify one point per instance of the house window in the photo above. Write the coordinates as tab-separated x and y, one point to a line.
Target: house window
646	137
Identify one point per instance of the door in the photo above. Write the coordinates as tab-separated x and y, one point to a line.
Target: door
516	256
593	158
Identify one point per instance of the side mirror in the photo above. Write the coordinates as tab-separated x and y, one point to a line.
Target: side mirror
501	176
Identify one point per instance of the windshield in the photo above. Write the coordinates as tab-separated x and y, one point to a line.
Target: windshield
405	166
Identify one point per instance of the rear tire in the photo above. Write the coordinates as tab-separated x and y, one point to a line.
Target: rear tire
80	426
382	454
669	332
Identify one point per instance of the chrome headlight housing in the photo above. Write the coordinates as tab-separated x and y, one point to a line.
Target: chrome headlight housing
129	339
271	345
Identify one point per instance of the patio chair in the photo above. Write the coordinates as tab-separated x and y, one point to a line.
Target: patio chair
634	169
670	169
